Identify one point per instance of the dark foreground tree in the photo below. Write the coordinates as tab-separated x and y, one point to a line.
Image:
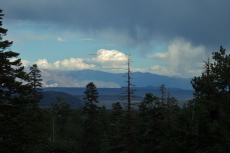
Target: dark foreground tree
155	120
19	125
128	94
35	83
63	130
90	99
12	74
211	105
91	124
150	117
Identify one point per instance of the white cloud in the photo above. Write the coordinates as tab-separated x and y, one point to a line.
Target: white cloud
61	39
57	64
155	67
26	63
163	70
67	64
75	63
43	63
181	58
110	59
110	55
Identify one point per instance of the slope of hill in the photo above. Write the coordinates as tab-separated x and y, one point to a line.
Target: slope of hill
80	78
50	97
140	91
107	96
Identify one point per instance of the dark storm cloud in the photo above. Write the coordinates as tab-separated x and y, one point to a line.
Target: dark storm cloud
205	22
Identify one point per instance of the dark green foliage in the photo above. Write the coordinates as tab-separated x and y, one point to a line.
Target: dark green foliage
36	85
117	128
20	127
63	128
149	117
156	116
12	73
91	124
117	111
35	81
105	142
90	99
210	106
214	83
62	112
221	71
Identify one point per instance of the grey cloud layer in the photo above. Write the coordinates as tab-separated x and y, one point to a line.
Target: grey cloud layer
203	22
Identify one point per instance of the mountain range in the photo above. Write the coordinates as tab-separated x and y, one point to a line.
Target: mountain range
70	85
80	78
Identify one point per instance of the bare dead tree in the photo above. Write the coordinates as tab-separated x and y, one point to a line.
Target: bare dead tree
128	95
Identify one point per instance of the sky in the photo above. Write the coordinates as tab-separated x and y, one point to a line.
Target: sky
163	37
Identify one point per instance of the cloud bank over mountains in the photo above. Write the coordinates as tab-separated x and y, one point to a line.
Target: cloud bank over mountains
166	37
181	57
104	59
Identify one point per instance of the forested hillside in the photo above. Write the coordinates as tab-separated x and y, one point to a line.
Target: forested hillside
50	97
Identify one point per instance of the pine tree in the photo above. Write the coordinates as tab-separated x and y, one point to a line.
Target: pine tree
221	71
62	127
91	125
118	128
212	103
149	123
104	130
117	111
35	83
12	74
18	123
90	99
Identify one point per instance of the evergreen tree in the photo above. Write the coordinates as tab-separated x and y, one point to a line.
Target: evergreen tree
104	130
12	74
19	125
221	70
90	99
117	111
91	138
62	112
35	83
149	114
63	126
118	128
211	103
156	117
214	83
